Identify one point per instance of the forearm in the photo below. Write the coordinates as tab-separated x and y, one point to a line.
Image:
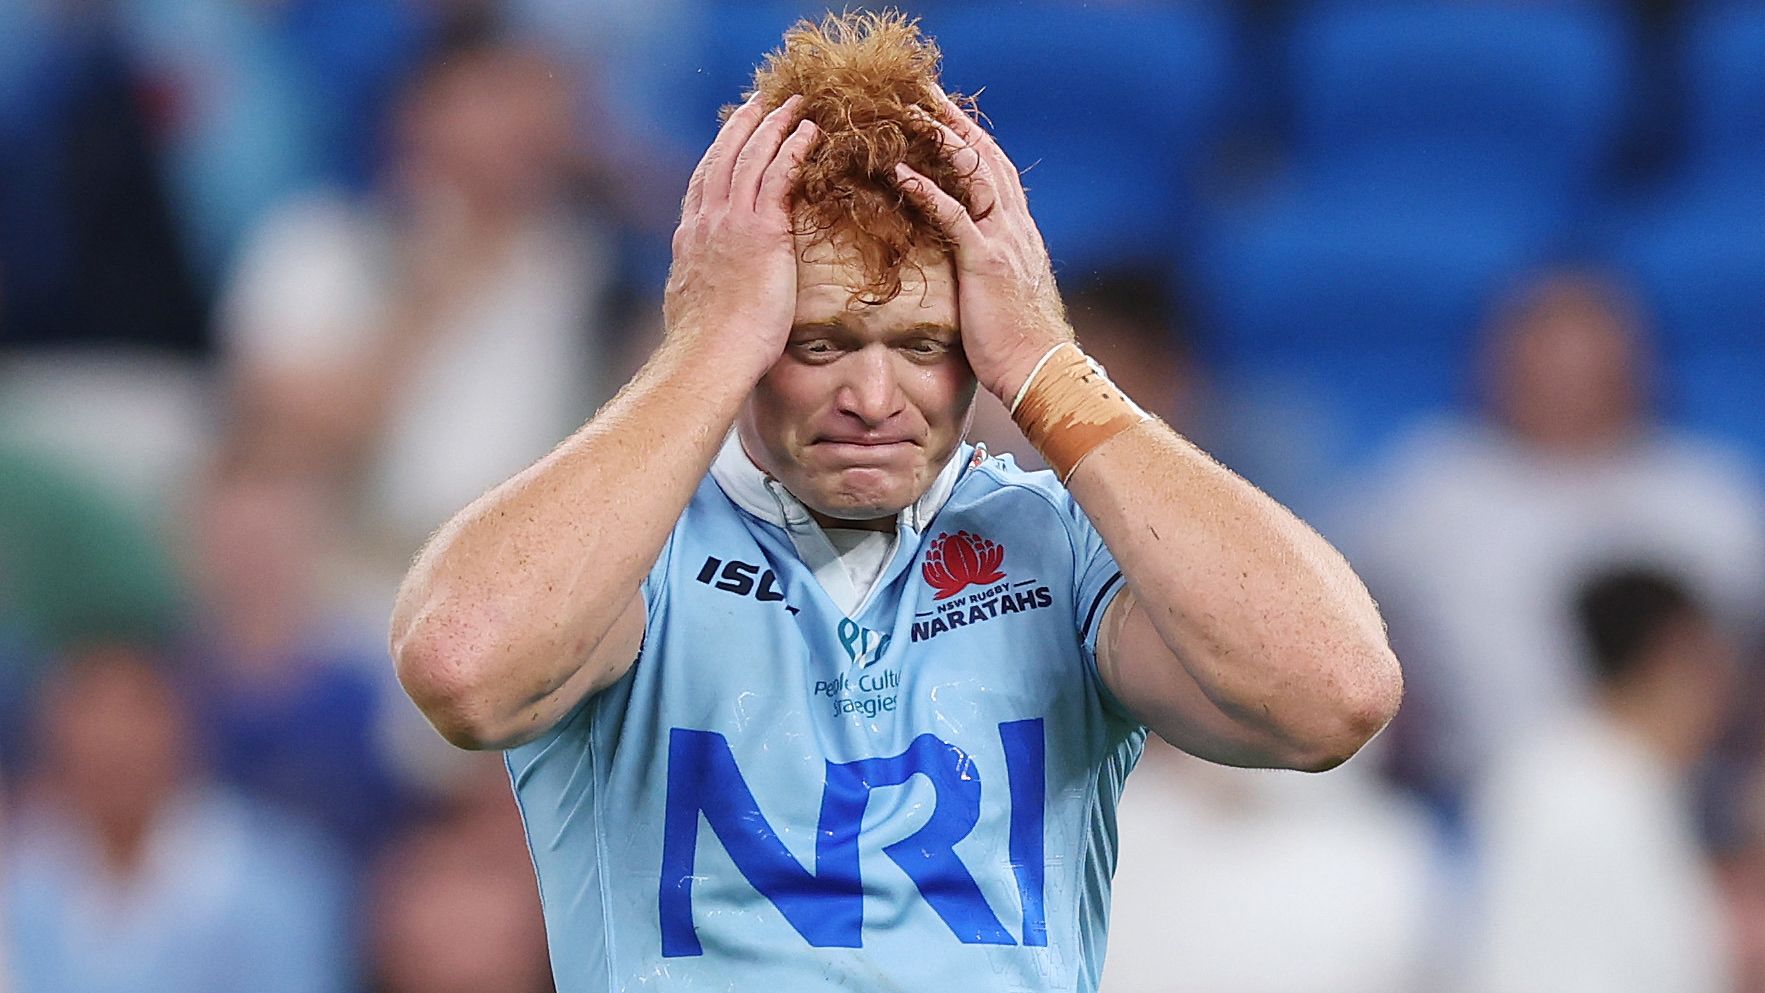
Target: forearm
1267	618
512	597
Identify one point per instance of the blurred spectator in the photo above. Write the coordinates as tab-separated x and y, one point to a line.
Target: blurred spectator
1742	874
1592	875
1475	533
127	870
454	906
77	564
101	316
1235	881
292	691
1734	816
428	344
254	101
89	253
5	846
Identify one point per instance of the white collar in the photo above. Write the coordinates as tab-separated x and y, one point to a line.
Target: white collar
751	489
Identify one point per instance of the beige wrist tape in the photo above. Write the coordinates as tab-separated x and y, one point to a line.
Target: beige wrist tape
1068	407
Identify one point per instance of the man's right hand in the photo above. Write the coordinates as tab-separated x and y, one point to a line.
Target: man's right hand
733	285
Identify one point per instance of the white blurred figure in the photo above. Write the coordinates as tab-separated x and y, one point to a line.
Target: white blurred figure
1268	882
1593	879
427	345
1476	533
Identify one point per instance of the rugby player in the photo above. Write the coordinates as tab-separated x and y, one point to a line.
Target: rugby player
798	689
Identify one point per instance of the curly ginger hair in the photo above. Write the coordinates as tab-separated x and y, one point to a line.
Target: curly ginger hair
869	81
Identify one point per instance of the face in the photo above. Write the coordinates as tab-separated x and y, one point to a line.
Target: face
1568	372
868	402
117	735
494	126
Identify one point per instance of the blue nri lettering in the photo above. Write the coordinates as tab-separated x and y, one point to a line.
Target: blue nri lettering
826	906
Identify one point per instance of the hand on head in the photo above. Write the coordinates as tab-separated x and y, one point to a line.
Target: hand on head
734	279
1011	309
733	284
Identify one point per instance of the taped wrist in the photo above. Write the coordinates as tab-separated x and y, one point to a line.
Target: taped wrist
1068	407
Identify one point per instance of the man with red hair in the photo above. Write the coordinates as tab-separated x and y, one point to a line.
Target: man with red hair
768	590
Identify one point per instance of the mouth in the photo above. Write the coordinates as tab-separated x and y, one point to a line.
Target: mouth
864	449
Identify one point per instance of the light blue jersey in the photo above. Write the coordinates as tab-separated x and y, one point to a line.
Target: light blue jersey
916	792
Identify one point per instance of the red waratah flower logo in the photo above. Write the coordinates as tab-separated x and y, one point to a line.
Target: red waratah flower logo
958	561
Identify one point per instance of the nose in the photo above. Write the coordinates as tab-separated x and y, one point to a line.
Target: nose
870	390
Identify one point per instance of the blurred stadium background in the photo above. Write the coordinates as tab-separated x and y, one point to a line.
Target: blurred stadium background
1477	287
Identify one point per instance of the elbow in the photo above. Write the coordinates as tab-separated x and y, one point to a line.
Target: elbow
1360	708
440	679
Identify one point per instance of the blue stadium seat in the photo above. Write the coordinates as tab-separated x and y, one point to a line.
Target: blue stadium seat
1108	109
1365	304
1723	65
1698	259
1719	391
1312	271
717	64
1516	99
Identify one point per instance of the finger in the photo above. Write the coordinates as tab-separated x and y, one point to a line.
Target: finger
761	148
1005	176
729	140
983	191
945	210
781	173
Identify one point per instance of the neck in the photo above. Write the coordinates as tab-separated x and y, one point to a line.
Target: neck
1657	723
883	524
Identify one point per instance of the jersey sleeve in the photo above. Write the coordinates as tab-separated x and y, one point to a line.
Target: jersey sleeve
1096	581
655	583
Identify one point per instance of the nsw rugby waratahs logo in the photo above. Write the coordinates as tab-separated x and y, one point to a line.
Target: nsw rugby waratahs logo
958	561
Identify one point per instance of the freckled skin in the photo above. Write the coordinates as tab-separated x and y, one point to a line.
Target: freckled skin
891	372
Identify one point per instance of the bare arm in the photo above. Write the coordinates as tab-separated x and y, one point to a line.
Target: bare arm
1241	636
528	600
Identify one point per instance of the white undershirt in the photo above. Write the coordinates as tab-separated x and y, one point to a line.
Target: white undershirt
848	563
863	553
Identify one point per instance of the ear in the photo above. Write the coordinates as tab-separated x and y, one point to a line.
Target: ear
968	418
747	434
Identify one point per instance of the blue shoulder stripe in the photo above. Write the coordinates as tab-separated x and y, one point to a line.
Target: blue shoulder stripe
1091	615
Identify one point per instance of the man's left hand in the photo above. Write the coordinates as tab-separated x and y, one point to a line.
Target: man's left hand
1010	309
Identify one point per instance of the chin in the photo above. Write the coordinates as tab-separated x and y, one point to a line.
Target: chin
852	497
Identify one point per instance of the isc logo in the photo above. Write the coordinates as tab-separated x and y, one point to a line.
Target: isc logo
826	905
740	578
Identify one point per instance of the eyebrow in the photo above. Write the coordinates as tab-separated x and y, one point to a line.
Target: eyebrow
840	327
927	327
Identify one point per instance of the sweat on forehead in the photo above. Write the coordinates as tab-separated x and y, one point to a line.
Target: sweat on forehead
869	81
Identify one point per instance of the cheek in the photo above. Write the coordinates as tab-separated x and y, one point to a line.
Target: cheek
785	401
942	393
